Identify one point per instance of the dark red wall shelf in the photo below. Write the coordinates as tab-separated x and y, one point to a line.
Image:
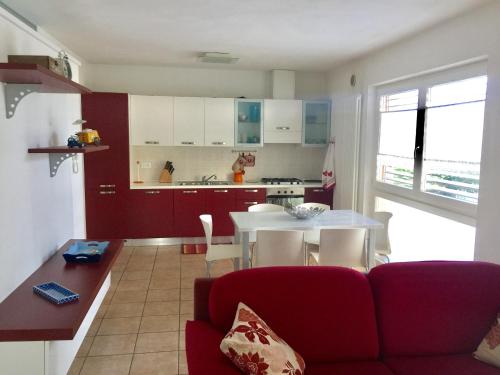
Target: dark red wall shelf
25	316
38	75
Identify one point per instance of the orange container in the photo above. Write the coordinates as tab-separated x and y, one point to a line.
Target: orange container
238	177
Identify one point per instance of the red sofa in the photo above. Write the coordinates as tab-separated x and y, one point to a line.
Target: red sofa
423	318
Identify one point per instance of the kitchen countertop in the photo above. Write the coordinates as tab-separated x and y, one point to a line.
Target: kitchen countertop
231	185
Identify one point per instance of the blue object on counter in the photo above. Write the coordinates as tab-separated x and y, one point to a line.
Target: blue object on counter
55	293
85	251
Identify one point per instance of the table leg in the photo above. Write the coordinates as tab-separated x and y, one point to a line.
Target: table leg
370	247
246	251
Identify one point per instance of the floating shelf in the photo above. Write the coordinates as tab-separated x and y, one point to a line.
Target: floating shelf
24	79
58	154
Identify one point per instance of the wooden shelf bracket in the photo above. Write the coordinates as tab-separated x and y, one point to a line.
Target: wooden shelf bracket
14	92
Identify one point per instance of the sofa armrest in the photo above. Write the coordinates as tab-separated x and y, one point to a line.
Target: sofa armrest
202	288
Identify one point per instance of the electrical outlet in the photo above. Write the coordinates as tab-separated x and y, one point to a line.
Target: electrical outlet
145	164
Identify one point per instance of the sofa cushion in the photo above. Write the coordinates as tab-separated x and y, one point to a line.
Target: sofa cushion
203	353
350	368
456	364
325	313
427	308
489	349
252	344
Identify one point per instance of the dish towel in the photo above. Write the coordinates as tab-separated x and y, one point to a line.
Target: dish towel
328	175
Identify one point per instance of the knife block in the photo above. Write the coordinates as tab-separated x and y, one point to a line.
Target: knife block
165	176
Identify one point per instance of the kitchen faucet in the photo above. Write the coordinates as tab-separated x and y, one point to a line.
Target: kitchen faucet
206	179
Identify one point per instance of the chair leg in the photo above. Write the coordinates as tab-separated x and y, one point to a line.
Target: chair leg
208	268
236	262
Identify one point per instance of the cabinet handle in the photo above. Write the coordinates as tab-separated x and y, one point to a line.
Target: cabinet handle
187	143
251	203
251	191
190	192
218	143
283	127
220	191
107	186
152	192
152	142
107	192
318	190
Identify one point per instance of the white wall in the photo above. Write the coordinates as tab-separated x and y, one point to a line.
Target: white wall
471	36
191	163
211	82
37	213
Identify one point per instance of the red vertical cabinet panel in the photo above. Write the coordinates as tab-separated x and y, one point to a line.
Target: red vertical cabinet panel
189	204
107	173
220	202
318	195
150	213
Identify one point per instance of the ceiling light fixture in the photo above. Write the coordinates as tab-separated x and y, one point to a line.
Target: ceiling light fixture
217	58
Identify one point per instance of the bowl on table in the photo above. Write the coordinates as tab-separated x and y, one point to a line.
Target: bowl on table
303	212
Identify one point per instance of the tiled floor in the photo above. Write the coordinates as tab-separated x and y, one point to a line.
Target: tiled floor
140	326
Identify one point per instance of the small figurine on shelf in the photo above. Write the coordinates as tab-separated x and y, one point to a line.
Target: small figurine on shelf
73	141
64	61
89	137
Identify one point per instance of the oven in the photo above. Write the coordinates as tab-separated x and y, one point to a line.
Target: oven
285	196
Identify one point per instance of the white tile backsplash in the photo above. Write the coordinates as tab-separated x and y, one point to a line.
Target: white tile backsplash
191	163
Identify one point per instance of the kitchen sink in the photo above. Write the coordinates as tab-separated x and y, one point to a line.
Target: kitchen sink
198	183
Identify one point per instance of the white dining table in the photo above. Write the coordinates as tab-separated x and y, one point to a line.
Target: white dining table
246	222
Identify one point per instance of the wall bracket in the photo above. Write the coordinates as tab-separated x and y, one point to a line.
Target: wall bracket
55	161
14	92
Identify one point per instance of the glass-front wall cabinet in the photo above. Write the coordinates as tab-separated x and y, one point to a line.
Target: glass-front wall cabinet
248	120
316	123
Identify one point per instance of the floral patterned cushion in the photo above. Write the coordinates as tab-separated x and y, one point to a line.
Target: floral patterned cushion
489	349
256	350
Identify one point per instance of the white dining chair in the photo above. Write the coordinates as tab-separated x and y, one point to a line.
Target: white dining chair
218	252
382	242
279	248
341	247
311	237
265	207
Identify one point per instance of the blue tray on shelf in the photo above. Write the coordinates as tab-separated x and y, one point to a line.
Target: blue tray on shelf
55	293
85	251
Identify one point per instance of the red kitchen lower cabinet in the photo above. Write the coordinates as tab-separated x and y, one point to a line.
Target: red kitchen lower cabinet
106	215
189	204
318	195
220	202
150	213
248	197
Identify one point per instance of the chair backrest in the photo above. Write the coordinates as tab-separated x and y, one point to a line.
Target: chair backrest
265	207
342	247
279	248
315	205
207	222
382	242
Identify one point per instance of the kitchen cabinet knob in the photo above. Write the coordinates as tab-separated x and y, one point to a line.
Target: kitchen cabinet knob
219	143
251	191
152	192
190	192
318	190
283	127
251	203
187	143
107	186
152	142
220	191
107	192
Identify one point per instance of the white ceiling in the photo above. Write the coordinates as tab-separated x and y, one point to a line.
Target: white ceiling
311	35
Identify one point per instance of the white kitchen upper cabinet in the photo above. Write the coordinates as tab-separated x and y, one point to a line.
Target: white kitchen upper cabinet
151	120
316	124
282	121
219	122
189	121
248	123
